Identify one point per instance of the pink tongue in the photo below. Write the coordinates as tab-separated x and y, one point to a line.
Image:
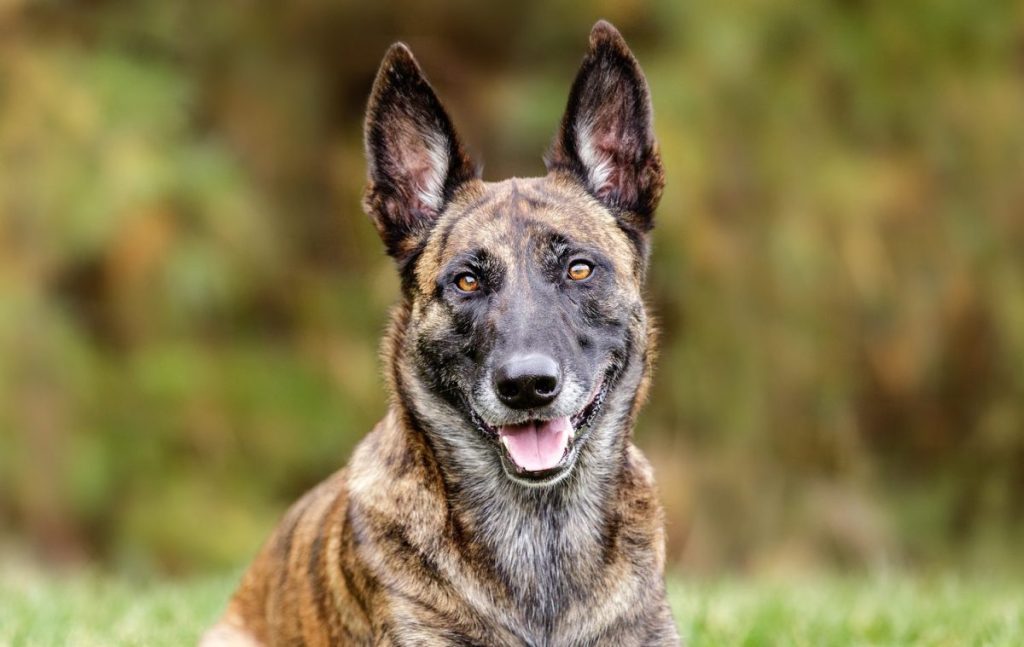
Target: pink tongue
536	446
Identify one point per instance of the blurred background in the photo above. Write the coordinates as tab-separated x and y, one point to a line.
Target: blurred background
191	299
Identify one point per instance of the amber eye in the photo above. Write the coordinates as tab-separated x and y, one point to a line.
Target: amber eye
580	270
467	282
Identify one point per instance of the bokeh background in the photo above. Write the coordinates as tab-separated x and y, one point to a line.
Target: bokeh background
191	299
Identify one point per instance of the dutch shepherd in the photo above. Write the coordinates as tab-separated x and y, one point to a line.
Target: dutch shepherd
501	500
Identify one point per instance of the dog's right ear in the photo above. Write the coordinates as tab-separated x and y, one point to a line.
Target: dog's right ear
415	160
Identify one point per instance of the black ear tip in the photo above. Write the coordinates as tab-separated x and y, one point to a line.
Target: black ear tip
399	57
398	72
399	51
605	33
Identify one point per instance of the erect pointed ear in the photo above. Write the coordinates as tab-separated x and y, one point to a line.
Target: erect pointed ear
606	138
415	160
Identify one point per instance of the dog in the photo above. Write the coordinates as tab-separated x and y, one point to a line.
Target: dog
501	500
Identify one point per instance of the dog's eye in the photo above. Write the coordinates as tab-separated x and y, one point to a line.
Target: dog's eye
467	282
580	270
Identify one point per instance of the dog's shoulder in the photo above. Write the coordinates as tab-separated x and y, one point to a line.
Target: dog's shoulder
638	508
343	544
393	473
284	591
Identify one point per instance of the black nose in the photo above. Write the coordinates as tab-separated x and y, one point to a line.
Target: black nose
528	382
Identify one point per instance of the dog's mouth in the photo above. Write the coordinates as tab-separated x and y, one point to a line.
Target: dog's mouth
542	451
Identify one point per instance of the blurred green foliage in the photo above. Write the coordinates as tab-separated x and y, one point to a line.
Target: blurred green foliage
191	300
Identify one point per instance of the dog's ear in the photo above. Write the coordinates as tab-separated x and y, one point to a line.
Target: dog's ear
607	138
415	160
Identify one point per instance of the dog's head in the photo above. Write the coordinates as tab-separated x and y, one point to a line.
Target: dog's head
521	344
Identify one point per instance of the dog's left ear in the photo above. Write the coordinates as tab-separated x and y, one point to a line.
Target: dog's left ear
607	137
415	159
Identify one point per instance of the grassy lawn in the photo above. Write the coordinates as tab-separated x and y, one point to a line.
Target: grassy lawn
91	610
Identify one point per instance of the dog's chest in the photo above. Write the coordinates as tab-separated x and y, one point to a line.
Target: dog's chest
536	581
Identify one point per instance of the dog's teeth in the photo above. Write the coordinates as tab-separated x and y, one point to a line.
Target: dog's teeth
504	441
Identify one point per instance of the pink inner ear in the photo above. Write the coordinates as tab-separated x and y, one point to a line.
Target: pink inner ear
610	151
421	161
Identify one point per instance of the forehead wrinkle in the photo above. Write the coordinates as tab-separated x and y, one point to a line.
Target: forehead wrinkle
480	203
469	232
502	217
492	228
573	211
589	228
431	260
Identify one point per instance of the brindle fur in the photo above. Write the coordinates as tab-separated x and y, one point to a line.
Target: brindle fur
423	539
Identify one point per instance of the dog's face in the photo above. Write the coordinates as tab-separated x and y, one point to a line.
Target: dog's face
524	320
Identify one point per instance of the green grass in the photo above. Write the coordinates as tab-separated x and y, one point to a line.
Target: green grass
846	611
86	610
